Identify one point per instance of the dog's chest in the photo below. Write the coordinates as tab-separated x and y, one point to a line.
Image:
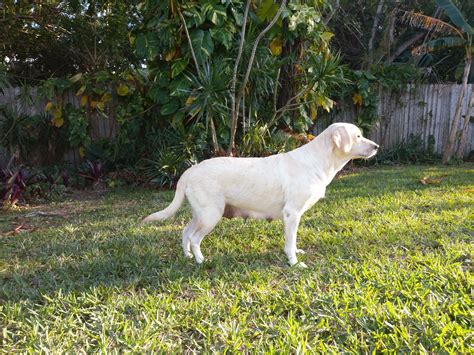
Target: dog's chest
313	195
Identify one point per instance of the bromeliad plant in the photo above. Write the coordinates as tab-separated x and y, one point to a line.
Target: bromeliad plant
22	184
12	183
93	172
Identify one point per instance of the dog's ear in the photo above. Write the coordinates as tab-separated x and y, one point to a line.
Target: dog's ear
342	139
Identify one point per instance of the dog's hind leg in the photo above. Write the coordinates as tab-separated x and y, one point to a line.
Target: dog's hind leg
204	226
187	232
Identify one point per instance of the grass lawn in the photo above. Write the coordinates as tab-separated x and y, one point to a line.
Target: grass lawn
390	263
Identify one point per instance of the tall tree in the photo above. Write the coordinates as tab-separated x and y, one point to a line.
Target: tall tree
42	39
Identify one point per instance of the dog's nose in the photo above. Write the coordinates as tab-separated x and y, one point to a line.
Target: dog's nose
376	146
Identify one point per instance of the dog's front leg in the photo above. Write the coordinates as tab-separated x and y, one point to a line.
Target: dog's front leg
291	219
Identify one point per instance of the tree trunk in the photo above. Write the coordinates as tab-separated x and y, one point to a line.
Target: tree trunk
370	47
451	143
288	72
467	118
403	47
215	143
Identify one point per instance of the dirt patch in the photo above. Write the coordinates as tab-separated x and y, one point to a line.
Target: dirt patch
29	218
87	195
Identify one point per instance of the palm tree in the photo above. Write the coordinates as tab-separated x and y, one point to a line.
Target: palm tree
460	34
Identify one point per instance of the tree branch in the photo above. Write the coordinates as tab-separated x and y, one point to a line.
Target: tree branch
378	13
403	47
190	42
332	13
234	111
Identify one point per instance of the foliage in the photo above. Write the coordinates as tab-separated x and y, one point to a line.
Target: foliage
207	98
92	171
21	184
190	93
410	151
16	131
61	38
261	140
390	271
353	26
364	85
134	61
464	34
172	153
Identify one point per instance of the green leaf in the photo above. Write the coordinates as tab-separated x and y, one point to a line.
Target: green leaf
140	45
195	17
81	90
76	78
208	45
238	16
217	14
178	66
180	87
177	120
267	10
222	36
202	44
455	15
159	95
440	43
152	45
170	108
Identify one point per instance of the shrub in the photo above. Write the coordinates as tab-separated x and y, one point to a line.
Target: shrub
411	150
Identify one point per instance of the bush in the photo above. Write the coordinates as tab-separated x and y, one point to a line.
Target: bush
22	184
409	151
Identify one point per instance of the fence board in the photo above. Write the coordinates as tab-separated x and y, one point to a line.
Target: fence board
100	127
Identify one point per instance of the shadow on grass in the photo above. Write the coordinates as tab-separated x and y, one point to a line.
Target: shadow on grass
136	264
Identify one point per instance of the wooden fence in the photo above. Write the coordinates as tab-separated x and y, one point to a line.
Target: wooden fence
100	126
421	110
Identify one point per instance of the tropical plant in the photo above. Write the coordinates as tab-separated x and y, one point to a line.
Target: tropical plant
172	153
92	171
460	34
219	64
17	131
207	99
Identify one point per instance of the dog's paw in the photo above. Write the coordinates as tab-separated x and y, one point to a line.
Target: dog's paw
297	264
199	261
300	265
188	255
300	251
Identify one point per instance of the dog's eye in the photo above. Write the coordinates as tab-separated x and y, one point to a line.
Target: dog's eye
358	136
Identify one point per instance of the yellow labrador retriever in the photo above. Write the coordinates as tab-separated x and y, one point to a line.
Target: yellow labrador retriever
281	186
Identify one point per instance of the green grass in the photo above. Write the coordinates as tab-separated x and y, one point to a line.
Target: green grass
390	264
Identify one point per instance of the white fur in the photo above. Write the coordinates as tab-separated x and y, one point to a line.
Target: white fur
282	186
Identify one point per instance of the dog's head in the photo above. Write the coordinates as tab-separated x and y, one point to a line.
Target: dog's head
347	140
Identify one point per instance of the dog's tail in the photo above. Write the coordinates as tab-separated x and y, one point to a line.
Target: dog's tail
174	205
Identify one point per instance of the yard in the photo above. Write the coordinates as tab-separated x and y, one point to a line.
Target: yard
389	268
